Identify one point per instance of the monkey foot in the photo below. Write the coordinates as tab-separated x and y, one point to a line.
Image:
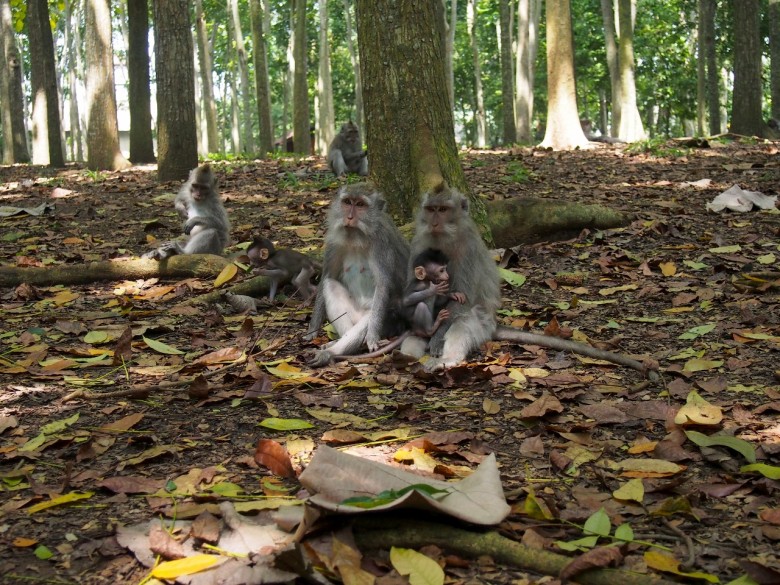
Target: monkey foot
322	357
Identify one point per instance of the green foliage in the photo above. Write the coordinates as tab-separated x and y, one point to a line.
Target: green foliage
659	147
517	172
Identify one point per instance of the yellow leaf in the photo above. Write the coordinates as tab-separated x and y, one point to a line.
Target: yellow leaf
698	411
228	273
185	566
698	365
665	562
668	268
422	570
21	542
650	468
64	297
490	406
633	490
64	499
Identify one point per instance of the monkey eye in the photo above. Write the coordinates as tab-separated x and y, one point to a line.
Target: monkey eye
360	203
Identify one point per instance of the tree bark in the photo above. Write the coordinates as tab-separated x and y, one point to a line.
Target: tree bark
102	131
46	126
701	77
507	77
774	52
479	114
563	130
248	141
360	119
301	117
610	44
712	74
139	94
746	99
206	77
450	26
409	121
11	97
262	85
177	138
524	91
630	128
74	65
326	116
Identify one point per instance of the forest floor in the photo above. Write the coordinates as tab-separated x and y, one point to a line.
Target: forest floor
694	290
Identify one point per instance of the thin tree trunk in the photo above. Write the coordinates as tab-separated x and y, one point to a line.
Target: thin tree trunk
248	141
327	122
480	105
774	52
449	47
12	98
301	117
77	151
235	117
177	137
204	56
102	131
746	99
46	129
524	87
141	143
262	85
630	128
507	78
353	57
701	78
610	44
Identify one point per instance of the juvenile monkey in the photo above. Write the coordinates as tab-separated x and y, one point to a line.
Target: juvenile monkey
282	266
363	273
206	225
428	293
444	223
346	154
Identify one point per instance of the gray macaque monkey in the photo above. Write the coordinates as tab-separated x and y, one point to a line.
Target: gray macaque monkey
427	295
363	273
206	225
282	266
346	154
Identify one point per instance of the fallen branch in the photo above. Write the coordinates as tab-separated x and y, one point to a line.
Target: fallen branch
382	533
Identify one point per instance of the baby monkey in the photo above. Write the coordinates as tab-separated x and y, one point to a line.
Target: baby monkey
283	266
426	296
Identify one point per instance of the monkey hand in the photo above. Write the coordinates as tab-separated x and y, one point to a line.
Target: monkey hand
458	296
322	357
443	315
372	341
441	287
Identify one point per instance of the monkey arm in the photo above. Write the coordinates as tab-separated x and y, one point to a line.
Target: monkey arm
510	334
418	296
278	274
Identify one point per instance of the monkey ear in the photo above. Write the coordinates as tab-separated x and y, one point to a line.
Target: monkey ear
379	201
419	272
263	253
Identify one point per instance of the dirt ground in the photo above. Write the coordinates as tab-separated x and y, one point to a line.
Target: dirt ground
693	290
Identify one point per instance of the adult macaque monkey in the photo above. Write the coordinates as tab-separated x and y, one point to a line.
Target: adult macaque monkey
207	223
444	223
363	273
346	154
282	266
427	295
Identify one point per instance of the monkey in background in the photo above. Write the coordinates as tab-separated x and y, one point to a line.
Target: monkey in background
206	225
428	293
282	266
363	273
346	154
443	223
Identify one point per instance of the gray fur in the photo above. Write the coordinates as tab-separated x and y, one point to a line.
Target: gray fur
346	154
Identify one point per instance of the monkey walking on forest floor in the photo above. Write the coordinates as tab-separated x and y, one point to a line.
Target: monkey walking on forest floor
363	273
283	266
206	225
443	223
346	154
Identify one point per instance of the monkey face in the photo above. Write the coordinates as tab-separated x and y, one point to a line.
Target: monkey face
437	273
199	191
353	210
438	216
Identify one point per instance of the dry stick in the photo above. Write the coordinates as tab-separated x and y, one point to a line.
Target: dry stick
690	563
379	534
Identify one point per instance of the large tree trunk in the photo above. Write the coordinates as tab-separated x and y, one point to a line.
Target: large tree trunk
11	98
774	52
746	100
141	143
630	128
507	76
248	141
206	78
46	126
409	121
262	85
102	131
359	116
479	114
563	130
177	137
326	117
301	118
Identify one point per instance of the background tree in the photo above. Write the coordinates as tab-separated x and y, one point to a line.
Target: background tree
139	94
746	103
102	131
262	85
563	123
326	116
629	123
409	121
11	98
774	51
479	111
353	57
74	54
207	78
301	118
507	73
528	12
47	144
177	140
245	119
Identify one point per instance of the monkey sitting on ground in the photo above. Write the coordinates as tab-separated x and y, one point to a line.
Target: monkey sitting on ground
346	154
206	226
363	273
283	266
444	223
